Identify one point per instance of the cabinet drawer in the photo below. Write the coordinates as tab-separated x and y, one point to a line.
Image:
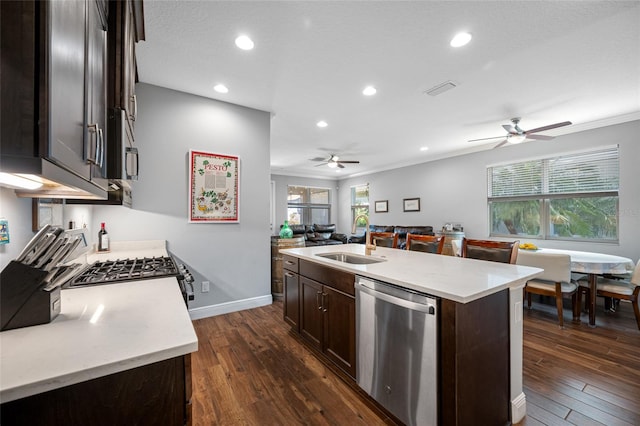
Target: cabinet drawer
290	263
340	280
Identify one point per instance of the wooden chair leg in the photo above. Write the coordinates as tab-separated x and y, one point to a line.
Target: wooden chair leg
560	314
559	304
636	311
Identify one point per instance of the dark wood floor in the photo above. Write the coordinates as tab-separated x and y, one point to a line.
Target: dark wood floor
250	370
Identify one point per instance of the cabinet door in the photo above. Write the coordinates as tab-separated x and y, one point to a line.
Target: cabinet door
291	299
340	329
129	103
311	315
95	131
66	84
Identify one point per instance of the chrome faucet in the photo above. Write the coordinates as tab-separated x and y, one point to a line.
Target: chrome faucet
368	248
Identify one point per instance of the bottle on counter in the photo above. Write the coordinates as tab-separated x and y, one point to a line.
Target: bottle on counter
103	239
285	231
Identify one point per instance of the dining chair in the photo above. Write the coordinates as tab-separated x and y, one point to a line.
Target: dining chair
615	289
494	251
425	243
555	281
384	239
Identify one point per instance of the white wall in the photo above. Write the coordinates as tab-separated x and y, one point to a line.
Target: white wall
281	183
18	212
455	189
234	257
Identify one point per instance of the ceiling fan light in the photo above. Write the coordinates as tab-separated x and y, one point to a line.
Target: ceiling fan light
516	138
460	39
332	164
244	42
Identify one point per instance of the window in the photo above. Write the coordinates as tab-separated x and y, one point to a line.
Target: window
360	204
570	197
308	205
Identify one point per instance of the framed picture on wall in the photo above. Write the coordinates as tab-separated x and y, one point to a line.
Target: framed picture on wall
213	188
382	206
411	204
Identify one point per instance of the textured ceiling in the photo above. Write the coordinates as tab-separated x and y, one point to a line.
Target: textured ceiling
546	62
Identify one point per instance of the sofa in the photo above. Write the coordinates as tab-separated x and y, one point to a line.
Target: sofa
318	235
402	232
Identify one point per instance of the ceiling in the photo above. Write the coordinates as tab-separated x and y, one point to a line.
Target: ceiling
546	62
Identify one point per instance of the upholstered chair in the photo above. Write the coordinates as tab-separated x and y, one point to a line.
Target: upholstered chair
494	251
555	281
425	243
384	239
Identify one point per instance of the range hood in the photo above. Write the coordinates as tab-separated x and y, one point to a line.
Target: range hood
56	181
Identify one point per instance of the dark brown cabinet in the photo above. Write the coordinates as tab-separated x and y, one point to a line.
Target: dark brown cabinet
126	28
53	91
153	394
326	311
291	289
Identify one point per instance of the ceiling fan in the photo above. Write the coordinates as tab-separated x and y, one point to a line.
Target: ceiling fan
333	161
516	135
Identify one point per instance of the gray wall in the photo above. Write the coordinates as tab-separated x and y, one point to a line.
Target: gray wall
281	183
235	257
455	189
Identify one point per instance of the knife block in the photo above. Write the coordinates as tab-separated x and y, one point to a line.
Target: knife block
23	302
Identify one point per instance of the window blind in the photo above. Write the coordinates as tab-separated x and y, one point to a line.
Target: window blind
587	172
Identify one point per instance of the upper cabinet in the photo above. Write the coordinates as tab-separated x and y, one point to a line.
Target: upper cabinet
126	28
54	95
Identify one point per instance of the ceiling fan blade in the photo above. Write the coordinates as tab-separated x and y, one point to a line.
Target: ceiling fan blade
509	128
340	165
540	137
486	139
321	164
501	143
549	127
347	162
318	159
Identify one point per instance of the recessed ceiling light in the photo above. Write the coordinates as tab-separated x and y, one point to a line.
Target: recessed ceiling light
244	42
322	123
220	88
460	39
369	91
424	148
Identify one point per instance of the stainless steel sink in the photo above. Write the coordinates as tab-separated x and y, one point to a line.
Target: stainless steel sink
351	258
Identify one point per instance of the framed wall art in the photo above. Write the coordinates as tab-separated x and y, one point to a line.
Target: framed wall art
382	206
411	204
214	188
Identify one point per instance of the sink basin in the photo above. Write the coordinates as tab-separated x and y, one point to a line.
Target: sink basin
351	258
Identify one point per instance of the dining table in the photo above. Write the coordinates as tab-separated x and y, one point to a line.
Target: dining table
593	265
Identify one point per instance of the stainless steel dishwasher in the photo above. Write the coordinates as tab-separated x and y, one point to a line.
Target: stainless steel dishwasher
397	349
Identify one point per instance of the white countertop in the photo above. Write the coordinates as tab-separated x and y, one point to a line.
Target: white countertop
454	278
101	330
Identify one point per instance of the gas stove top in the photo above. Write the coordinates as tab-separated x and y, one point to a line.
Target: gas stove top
114	271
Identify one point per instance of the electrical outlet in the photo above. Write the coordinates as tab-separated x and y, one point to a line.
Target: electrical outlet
205	286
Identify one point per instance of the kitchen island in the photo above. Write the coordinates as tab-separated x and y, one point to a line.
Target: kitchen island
479	331
115	352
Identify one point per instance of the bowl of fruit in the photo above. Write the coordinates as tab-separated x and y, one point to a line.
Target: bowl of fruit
528	246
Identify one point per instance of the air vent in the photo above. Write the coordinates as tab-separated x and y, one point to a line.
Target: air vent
440	88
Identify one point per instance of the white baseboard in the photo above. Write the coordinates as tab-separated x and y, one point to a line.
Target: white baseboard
228	307
518	408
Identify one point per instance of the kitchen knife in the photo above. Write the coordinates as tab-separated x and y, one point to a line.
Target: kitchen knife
32	243
40	249
66	275
49	253
62	254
